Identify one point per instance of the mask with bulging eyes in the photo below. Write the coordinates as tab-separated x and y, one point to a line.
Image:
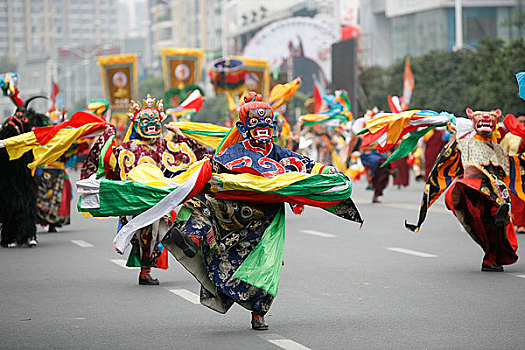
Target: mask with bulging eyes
148	123
259	126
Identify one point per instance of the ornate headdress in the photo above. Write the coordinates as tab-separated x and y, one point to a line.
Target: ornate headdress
147	118
149	103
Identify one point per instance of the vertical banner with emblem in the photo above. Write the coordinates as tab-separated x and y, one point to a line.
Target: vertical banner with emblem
119	79
181	67
257	75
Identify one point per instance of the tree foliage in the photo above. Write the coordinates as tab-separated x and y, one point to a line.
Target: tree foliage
214	110
453	81
152	85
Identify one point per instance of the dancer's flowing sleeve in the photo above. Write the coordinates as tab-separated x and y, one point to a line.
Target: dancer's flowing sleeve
515	180
448	166
101	159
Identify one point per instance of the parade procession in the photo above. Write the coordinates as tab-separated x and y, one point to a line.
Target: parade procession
168	168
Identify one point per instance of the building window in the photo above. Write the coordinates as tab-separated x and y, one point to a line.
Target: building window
479	23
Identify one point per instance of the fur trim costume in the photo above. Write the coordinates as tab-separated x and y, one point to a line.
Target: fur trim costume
17	184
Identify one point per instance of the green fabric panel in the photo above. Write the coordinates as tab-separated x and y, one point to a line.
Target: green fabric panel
331	210
133	259
123	198
262	268
408	144
100	170
341	117
224	139
183	214
327	170
344	95
313	185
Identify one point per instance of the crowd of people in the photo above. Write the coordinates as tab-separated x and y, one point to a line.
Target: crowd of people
218	208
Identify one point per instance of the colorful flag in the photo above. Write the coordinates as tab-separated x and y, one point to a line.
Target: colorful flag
388	128
408	84
48	143
318	96
282	93
54	93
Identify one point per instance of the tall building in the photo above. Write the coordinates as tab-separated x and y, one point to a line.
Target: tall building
185	23
59	39
32	29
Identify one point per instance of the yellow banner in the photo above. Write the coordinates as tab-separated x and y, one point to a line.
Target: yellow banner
119	79
181	67
258	75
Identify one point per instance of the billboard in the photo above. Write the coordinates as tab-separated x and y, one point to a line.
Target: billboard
344	62
282	40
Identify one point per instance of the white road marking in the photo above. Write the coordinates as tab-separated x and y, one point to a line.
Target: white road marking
412	252
122	263
81	243
186	294
435	208
288	344
520	276
319	234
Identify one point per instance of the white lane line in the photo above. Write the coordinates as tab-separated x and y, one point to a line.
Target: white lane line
186	294
288	344
81	243
408	206
412	252
122	263
318	233
520	276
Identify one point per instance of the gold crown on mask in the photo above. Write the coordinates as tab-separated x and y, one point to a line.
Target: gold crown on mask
148	103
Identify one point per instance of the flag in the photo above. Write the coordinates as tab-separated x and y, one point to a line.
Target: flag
54	92
395	104
48	143
388	128
193	101
282	93
408	83
318	96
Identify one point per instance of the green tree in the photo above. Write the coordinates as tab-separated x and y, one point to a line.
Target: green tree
453	81
152	85
214	110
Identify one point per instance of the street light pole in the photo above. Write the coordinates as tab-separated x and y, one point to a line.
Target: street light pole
88	80
459	25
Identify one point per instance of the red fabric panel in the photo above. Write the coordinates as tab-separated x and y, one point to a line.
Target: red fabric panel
162	260
514	126
65	203
272	198
368	138
499	244
518	210
318	99
204	177
46	133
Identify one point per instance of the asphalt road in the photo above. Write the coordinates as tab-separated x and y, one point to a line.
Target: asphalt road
381	287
